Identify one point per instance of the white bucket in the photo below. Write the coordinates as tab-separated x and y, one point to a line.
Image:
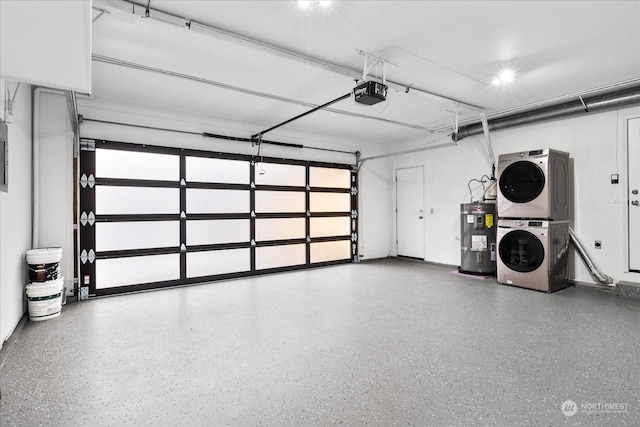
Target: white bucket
44	299
44	264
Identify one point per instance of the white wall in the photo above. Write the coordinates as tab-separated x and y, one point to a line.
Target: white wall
596	142
55	167
375	216
47	43
15	213
111	110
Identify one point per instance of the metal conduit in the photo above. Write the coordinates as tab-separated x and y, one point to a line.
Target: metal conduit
605	102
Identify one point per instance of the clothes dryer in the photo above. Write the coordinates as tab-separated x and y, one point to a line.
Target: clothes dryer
533	253
534	184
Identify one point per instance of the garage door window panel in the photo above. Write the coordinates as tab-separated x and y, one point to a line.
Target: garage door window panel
215	232
118	272
210	170
119	236
220	262
201	200
123	200
123	164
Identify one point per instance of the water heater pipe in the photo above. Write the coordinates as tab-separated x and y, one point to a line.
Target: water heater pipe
595	272
487	137
605	102
35	165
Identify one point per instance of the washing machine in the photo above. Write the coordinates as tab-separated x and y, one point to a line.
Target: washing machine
533	253
534	184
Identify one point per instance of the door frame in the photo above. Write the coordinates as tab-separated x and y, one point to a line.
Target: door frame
395	183
624	131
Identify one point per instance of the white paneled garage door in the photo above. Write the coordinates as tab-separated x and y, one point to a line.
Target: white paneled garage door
155	217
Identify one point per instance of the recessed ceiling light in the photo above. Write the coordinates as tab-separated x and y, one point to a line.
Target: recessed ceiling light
506	76
306	4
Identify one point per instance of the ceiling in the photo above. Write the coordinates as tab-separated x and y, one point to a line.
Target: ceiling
453	49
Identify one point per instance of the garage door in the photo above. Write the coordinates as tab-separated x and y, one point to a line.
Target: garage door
155	217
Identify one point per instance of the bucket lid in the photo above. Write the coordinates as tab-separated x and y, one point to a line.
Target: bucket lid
44	255
38	291
57	283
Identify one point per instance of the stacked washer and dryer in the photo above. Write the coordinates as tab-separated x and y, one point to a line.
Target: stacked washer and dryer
534	209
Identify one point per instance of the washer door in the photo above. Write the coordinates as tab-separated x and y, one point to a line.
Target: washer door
521	182
521	251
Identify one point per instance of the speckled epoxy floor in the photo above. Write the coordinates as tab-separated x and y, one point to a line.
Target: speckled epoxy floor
387	342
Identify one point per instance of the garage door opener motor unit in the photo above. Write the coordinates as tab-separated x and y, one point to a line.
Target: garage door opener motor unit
370	92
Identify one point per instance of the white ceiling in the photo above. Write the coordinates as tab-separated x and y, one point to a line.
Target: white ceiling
450	48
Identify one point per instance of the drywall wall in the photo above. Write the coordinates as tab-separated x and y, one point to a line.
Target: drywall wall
596	142
57	36
375	216
55	178
15	213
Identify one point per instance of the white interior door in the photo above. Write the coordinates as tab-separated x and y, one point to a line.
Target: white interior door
410	212
633	129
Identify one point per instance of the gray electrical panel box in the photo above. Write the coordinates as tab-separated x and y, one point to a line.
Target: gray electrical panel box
4	157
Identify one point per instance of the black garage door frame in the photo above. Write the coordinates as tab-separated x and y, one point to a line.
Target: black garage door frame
89	182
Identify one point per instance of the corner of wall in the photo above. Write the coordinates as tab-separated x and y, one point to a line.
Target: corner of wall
15	210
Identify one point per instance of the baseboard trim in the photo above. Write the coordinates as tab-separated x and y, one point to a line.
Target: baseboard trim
7	345
592	285
628	289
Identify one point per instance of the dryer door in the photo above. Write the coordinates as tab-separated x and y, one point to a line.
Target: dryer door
521	182
521	251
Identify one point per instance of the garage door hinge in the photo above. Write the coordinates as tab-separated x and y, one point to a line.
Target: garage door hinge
87	145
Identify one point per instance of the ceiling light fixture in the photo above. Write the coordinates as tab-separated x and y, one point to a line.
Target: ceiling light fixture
306	4
506	76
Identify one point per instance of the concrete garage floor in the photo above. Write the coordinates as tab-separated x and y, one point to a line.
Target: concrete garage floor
385	342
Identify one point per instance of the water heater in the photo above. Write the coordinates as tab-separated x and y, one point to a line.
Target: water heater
478	223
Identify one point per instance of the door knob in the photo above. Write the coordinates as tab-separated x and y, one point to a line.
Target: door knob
635	203
423	217
634	192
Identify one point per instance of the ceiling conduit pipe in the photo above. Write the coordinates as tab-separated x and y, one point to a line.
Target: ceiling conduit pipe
596	104
595	272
